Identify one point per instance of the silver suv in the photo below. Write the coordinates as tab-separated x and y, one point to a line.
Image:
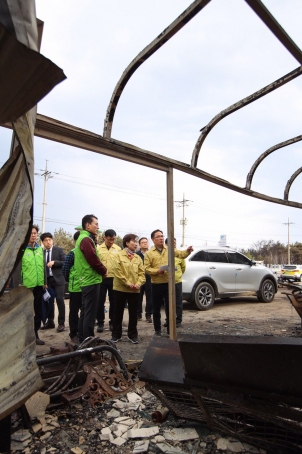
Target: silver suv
222	272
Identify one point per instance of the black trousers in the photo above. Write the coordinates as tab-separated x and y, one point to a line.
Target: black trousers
105	286
159	293
121	298
75	304
147	290
38	296
178	294
59	295
90	298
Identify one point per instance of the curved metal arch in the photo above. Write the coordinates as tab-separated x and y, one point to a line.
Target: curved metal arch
149	50
250	175
238	105
290	182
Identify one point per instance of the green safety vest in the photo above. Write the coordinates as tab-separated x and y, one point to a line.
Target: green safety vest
74	283
87	275
32	270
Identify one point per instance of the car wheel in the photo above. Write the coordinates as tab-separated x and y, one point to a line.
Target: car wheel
204	296
267	291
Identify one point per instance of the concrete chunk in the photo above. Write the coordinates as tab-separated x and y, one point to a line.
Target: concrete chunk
113	413
168	449
181	434
133	397
141	446
119	441
143	433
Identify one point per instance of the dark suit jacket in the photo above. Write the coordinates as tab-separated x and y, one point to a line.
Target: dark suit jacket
148	278
58	255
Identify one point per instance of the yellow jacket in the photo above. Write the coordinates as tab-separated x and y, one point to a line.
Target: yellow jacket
107	256
180	265
154	259
127	272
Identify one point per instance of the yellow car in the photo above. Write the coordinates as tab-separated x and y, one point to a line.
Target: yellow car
292	272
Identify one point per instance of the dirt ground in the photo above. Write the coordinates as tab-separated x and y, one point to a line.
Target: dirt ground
243	316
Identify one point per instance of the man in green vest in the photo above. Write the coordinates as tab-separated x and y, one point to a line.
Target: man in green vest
33	277
90	271
75	292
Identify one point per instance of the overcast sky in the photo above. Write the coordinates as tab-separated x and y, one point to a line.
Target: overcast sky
224	54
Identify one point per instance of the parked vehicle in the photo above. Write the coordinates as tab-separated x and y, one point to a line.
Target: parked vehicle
291	272
222	272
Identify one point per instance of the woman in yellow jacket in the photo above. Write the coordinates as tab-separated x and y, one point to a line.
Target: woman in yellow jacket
129	276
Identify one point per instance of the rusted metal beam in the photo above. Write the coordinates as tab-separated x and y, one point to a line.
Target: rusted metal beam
238	105
269	20
251	173
149	50
290	182
48	128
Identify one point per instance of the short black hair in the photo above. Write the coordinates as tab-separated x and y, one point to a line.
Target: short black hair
155	231
110	232
129	237
142	238
88	220
166	240
34	226
46	235
76	235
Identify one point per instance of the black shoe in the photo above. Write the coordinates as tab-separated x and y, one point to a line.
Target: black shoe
110	326
39	342
134	340
49	325
165	324
116	339
178	324
139	319
75	340
148	319
61	328
100	328
157	333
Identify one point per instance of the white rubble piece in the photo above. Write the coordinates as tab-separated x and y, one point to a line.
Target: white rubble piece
20	445
250	449
77	450
181	434
121	418
168	449
36	405
127	422
120	430
119	404
119	441
224	444
113	413
36	427
143	433
133	397
46	435
140	446
105	434
21	435
159	439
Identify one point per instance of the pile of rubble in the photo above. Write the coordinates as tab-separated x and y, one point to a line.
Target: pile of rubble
124	425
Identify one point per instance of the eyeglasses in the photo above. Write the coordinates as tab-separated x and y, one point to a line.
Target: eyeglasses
159	236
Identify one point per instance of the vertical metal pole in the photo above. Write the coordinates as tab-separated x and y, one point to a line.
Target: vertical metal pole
44	199
171	258
288	250
183	220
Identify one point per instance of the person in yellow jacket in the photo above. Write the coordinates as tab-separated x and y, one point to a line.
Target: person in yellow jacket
180	268
107	251
129	276
155	259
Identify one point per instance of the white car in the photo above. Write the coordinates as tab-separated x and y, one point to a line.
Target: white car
222	272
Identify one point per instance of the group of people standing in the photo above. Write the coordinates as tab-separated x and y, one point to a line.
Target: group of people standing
92	271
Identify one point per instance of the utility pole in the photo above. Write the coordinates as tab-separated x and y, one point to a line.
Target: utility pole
46	174
288	244
183	203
